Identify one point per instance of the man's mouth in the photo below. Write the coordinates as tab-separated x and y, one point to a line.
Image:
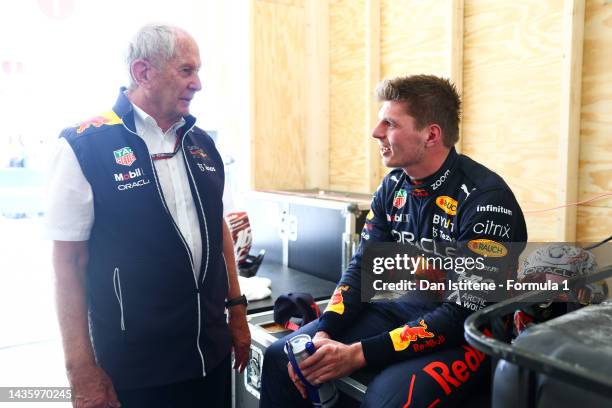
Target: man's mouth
384	150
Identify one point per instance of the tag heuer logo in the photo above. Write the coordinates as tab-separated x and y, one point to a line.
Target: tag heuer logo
399	199
124	156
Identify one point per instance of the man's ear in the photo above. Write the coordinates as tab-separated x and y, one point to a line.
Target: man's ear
434	135
141	72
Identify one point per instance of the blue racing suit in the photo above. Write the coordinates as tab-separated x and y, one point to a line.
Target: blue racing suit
464	209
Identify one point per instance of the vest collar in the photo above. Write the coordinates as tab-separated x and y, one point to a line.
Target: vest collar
124	109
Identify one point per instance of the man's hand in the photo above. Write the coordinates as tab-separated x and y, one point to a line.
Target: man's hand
296	381
332	360
241	336
320	335
91	388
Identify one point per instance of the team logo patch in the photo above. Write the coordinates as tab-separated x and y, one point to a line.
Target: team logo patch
403	336
419	192
197	152
370	215
399	199
124	156
336	303
107	118
487	247
447	204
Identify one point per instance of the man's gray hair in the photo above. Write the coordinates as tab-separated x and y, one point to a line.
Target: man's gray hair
154	43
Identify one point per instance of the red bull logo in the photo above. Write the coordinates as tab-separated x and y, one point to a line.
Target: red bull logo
458	372
336	303
108	118
197	152
403	336
419	192
96	122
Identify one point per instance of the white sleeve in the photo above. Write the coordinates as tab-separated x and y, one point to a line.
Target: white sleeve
228	199
69	212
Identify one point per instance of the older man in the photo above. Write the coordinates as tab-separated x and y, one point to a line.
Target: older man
143	259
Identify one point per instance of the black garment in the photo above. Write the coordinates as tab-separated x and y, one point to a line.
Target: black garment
212	391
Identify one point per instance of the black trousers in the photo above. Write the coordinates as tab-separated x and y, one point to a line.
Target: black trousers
441	379
211	391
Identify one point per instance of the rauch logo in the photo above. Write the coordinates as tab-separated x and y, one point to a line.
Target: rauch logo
487	247
447	204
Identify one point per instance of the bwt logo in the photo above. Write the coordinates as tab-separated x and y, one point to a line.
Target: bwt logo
129	175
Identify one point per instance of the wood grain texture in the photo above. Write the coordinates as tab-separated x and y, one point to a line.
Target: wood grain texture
421	37
513	54
279	81
415	37
594	223
596	132
569	129
372	150
317	94
347	105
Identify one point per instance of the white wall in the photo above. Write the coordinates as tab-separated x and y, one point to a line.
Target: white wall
69	54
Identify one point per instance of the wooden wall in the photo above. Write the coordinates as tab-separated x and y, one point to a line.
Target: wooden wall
595	175
534	76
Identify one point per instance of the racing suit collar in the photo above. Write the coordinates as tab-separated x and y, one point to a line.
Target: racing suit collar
429	185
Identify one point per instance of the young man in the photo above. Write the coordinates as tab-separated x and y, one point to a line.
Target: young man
441	203
143	259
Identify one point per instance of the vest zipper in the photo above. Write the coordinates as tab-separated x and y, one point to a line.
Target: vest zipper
201	207
119	296
189	254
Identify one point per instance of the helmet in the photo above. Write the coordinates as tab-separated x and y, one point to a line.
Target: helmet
556	263
240	228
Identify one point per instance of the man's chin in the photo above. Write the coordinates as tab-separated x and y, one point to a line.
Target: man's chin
388	162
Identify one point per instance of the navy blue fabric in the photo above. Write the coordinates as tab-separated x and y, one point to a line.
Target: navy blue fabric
462	203
152	317
434	376
212	391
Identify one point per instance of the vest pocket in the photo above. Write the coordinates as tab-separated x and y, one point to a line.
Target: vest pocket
119	296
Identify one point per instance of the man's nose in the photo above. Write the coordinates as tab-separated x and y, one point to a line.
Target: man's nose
377	132
196	84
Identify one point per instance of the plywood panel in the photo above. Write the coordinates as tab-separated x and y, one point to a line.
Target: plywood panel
421	37
415	37
594	224
279	82
372	151
347	90
596	132
513	54
317	94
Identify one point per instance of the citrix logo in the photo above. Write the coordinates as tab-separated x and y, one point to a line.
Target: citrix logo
490	227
